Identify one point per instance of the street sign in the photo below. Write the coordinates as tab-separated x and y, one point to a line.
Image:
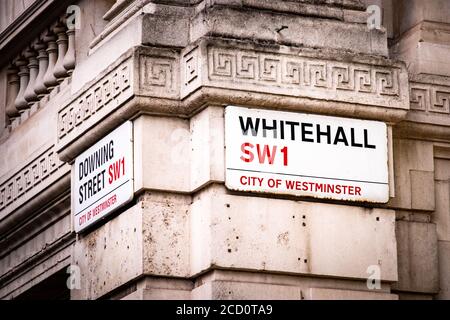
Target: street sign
102	177
306	155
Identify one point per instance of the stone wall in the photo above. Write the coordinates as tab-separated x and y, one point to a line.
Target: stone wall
171	67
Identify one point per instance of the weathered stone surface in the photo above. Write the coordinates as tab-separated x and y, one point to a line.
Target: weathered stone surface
100	58
227	284
422	190
444	264
441	215
225	290
152	237
162	154
283	28
334	294
417	247
35	245
413	170
195	147
207	147
166	234
110	255
236	232
161	289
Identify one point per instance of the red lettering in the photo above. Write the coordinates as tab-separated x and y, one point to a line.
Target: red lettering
116	169
285	156
246	152
266	153
290	184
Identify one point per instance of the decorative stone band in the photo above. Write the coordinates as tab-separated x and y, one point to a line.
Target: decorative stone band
165	81
111	90
30	180
140	71
288	73
295	75
429	115
430	98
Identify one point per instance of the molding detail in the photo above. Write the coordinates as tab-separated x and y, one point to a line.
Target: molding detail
142	71
109	92
430	98
378	83
265	69
30	179
158	76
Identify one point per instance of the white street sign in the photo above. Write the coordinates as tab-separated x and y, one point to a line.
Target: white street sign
306	155
102	177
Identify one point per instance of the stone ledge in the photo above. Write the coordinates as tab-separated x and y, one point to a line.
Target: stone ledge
38	272
418	130
339	294
29	182
290	23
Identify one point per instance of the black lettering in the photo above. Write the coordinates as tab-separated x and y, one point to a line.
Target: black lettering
80	173
103	178
352	135
94	185
324	133
292	125
111	150
96	160
340	136
305	132
366	141
81	195
85	190
249	125
86	167
272	128
89	188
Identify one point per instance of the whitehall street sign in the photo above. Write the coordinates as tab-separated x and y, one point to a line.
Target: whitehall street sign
306	155
102	177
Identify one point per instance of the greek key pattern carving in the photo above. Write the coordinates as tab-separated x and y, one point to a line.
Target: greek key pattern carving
30	176
110	90
293	71
430	98
155	72
157	76
191	66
